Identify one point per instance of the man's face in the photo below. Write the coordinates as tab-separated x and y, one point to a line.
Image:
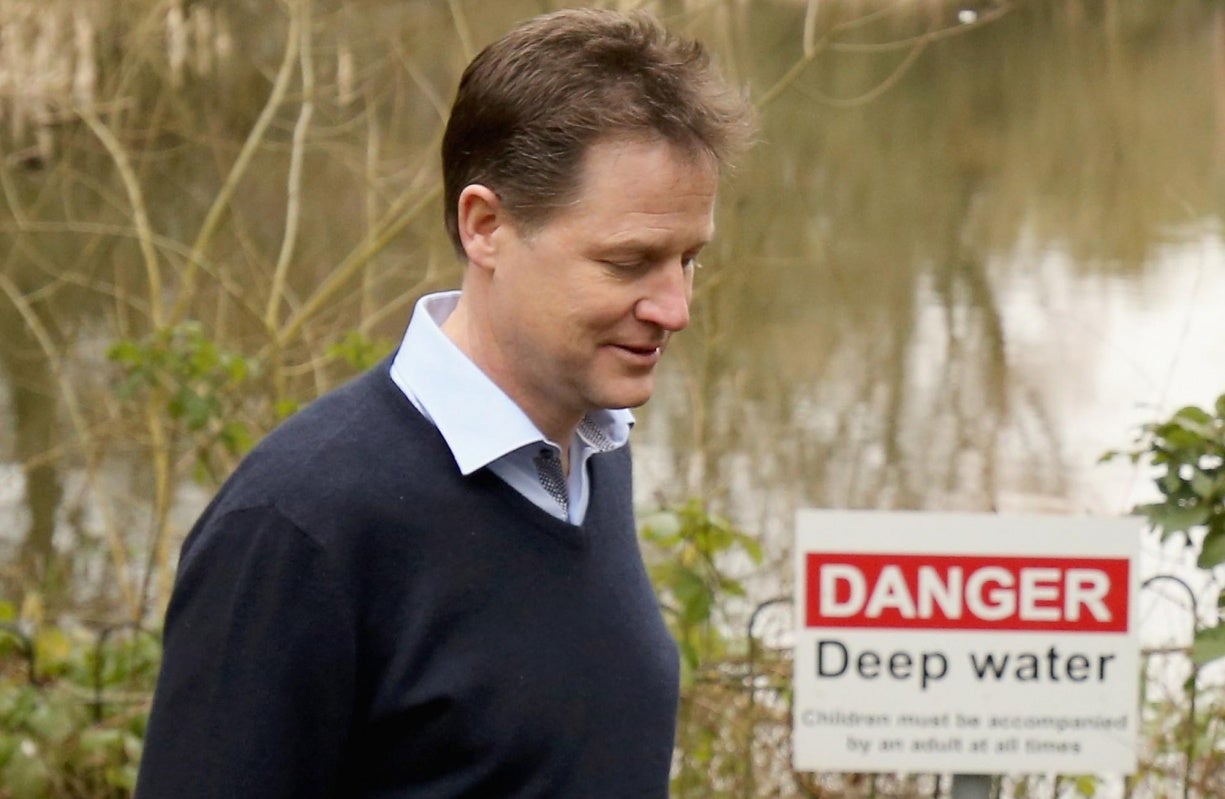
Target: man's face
581	307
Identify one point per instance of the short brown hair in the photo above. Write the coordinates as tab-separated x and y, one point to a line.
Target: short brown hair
530	104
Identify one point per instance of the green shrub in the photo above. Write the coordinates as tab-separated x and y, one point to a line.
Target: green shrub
73	707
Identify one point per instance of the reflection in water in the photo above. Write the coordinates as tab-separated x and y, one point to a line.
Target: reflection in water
32	402
853	343
866	330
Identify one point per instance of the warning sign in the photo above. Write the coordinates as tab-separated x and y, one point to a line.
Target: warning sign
968	643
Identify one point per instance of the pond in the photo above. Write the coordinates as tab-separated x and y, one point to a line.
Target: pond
976	246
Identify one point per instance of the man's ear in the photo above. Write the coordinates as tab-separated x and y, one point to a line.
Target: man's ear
480	217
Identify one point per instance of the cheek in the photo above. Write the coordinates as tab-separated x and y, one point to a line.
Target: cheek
595	306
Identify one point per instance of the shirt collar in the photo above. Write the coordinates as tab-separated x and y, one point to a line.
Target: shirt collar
479	422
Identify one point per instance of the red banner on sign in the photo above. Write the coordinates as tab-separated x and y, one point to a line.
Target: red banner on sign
954	592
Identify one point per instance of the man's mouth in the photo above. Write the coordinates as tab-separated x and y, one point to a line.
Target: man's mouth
640	354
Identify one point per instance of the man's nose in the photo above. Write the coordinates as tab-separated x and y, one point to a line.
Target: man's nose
666	301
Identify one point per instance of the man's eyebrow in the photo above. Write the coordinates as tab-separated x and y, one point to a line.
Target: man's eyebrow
637	245
631	247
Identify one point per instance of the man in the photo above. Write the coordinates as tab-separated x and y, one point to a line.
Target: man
427	583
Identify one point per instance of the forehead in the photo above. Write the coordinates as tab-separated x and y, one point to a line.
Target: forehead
630	179
627	161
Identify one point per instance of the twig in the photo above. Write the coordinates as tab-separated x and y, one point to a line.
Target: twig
222	201
163	242
810	30
10	192
140	214
374	142
77	417
395	220
461	30
811	49
163	492
293	204
935	35
882	87
431	96
811	52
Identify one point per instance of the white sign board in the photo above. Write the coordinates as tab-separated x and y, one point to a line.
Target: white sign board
966	643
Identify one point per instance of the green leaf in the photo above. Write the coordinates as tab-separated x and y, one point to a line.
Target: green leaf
16	705
133	746
1181	440
285	408
1203	485
52	723
236	437
197	410
731	587
26	776
1175	518
689	661
1194	415
1209	644
1169	483
236	368
203	358
359	350
176	406
100	745
1086	785
123	777
52	647
1213	551
752	548
125	353
662	528
692	594
1220	406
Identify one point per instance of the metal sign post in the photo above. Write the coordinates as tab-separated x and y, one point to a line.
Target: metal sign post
971	786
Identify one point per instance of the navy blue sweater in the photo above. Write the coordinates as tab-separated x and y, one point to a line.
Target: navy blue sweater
354	618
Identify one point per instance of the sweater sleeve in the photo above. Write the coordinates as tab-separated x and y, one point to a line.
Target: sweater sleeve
255	695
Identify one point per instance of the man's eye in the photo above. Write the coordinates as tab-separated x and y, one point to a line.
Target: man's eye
691	262
626	266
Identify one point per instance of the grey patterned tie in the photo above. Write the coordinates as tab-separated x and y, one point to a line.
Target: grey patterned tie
593	435
548	469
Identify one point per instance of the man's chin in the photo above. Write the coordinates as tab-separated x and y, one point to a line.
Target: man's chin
626	396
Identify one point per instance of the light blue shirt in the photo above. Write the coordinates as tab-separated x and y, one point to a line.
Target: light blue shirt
481	424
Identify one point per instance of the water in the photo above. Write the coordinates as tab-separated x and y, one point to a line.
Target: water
963	261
